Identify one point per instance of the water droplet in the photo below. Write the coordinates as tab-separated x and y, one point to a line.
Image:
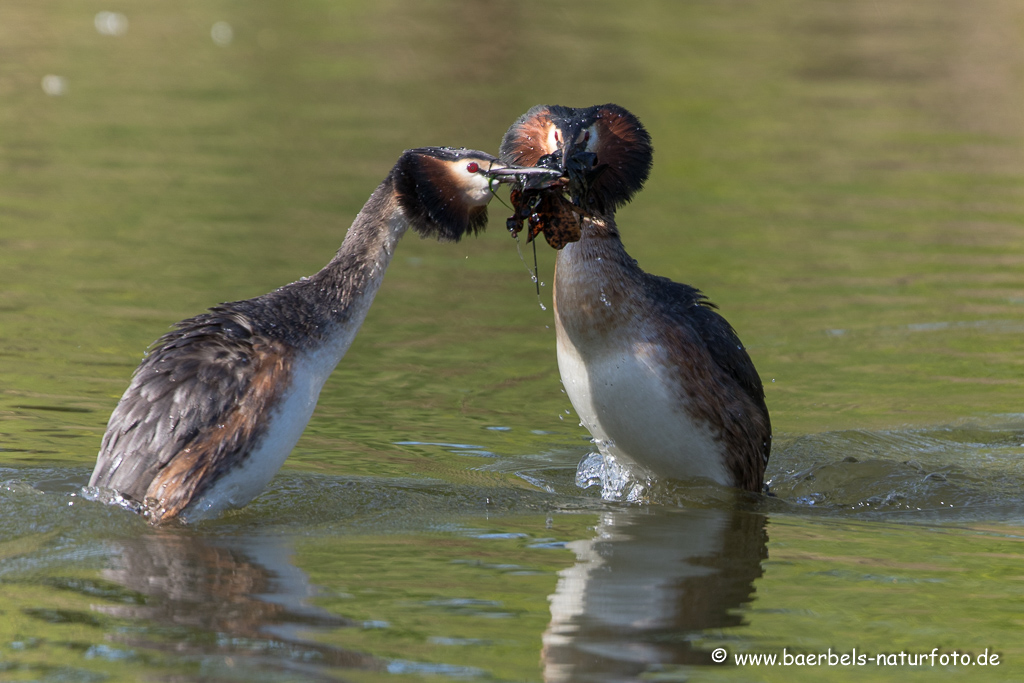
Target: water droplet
110	23
54	86
222	33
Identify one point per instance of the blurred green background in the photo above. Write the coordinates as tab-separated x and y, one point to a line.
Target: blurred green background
845	179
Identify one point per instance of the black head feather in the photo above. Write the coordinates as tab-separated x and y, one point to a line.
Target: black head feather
439	192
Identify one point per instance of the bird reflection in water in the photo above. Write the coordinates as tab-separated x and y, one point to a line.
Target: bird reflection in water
244	591
645	585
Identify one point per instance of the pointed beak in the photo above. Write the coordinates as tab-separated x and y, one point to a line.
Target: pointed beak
580	166
536	177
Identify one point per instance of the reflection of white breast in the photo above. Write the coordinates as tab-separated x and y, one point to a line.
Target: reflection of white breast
626	579
624	399
623	578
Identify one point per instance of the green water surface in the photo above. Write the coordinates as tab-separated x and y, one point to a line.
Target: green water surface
844	179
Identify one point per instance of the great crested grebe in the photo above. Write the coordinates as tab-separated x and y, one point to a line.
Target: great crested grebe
218	403
657	376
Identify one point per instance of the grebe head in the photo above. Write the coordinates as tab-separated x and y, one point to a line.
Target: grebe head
445	190
603	152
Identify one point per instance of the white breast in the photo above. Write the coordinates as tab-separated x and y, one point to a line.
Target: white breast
623	399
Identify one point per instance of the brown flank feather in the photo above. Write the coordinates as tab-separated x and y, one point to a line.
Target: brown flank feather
218	448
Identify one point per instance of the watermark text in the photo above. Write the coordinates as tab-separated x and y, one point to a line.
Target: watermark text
855	657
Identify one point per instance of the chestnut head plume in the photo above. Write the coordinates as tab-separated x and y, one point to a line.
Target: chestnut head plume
603	150
444	191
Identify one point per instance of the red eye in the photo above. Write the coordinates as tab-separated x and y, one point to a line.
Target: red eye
473	167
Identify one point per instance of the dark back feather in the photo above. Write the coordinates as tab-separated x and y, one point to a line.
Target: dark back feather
693	315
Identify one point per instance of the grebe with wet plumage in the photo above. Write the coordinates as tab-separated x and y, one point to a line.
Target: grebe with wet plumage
217	405
657	376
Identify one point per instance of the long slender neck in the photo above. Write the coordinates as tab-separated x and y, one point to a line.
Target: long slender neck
599	241
325	310
347	285
596	281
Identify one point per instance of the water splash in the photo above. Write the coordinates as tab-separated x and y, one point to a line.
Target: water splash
112	497
619	482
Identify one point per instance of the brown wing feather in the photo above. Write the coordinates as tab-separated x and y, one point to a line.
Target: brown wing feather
197	382
219	446
726	388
